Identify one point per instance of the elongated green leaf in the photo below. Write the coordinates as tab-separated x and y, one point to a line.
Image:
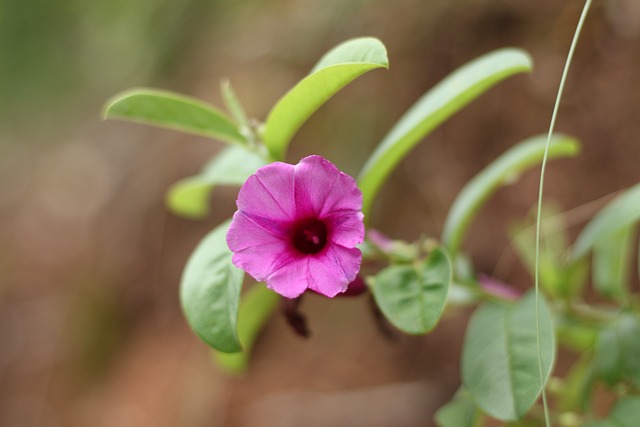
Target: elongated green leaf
210	292
501	171
256	307
612	264
625	413
335	70
173	111
189	197
441	102
413	297
620	213
458	412
500	356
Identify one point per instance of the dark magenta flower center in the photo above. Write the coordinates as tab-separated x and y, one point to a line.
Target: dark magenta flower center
309	235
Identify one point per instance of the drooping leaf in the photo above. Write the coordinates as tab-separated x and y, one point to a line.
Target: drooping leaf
501	171
173	111
500	356
458	412
210	292
336	69
189	197
441	102
612	263
412	297
256	307
618	214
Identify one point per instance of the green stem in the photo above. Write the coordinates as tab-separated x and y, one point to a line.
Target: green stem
554	115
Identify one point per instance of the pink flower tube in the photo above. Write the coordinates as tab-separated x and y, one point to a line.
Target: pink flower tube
297	227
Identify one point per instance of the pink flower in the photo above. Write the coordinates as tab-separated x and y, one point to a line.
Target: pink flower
296	228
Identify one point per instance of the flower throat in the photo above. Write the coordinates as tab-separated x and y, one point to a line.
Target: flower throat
309	235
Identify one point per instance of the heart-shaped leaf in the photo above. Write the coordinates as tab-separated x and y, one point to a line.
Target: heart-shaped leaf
412	297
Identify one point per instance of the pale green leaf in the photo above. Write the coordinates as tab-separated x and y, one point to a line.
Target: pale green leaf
620	213
441	102
256	307
500	356
458	412
412	297
189	197
210	292
612	264
336	69
173	111
501	171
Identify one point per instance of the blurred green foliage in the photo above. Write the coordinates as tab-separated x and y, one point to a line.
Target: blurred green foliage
56	56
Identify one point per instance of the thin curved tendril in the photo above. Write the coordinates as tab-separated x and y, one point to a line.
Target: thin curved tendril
567	65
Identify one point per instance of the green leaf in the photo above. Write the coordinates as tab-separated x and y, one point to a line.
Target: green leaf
233	104
625	413
620	213
336	69
505	169
616	355
441	102
458	412
500	356
189	197
173	111
256	307
612	264
210	292
413	297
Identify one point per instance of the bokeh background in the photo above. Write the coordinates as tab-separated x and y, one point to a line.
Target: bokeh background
91	332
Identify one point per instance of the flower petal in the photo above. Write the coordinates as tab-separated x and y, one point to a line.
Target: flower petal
269	193
257	250
345	227
334	269
321	188
291	280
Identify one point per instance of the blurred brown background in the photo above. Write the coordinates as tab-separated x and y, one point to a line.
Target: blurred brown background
91	332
